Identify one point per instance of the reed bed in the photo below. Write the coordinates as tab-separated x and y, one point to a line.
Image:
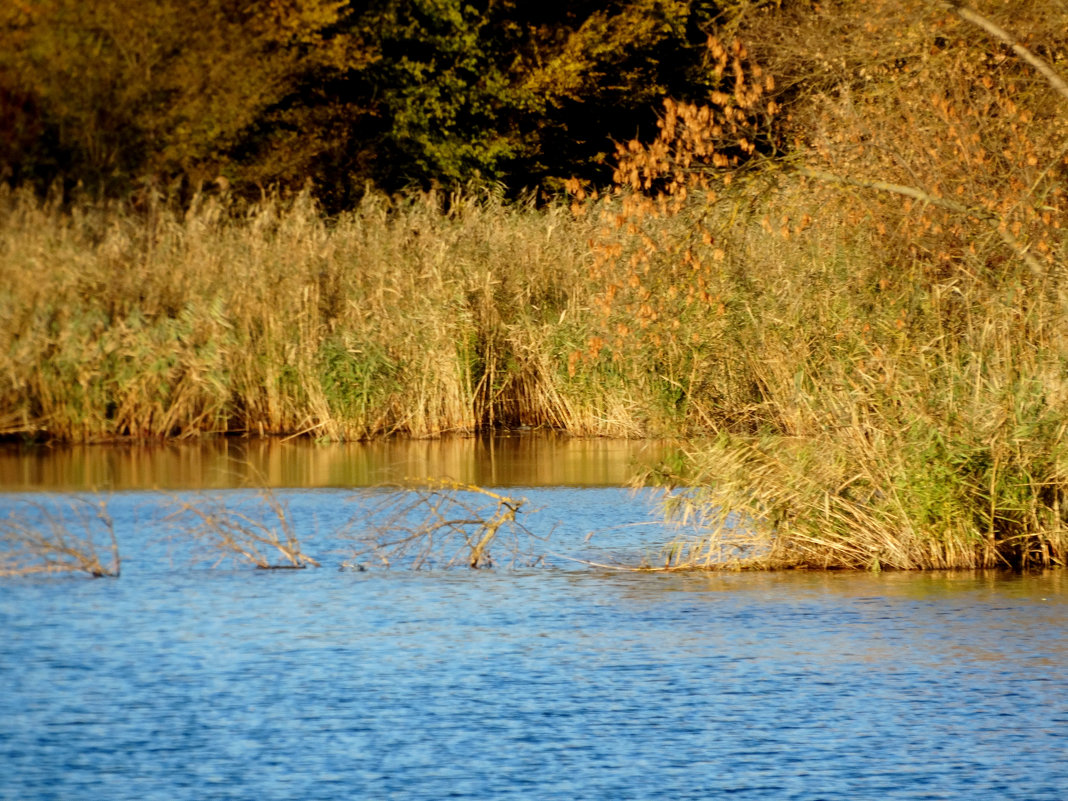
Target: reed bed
862	417
871	329
893	355
866	409
417	316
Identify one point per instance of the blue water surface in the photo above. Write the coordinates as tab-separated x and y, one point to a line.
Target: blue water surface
182	681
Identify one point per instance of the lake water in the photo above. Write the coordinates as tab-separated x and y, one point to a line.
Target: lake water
180	680
529	460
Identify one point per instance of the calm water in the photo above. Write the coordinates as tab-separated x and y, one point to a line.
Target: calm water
179	681
529	460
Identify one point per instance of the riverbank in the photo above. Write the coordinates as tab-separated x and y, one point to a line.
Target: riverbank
865	412
854	288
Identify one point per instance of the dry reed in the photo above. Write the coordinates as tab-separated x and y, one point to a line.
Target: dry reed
895	328
418	316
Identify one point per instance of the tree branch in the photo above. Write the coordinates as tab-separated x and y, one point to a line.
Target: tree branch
1004	36
995	222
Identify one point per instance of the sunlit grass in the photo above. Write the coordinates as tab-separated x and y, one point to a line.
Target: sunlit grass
420	316
872	326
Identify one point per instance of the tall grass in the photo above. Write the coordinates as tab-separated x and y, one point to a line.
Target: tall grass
873	329
417	316
894	293
893	422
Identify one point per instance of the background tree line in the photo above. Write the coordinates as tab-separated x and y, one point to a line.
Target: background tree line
118	95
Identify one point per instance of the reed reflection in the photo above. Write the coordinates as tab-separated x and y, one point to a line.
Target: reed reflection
533	460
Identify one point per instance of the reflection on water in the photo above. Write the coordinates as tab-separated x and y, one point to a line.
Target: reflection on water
524	460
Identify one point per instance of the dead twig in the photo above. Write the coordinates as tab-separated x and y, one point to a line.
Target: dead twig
38	537
439	523
1003	36
996	223
228	531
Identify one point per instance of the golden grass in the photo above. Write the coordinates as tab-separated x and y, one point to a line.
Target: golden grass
870	416
420	316
889	371
873	328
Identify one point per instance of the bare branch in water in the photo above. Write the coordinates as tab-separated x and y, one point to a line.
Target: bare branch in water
36	537
440	523
228	531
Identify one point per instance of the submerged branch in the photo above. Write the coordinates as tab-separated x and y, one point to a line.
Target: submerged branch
440	523
230	533
38	538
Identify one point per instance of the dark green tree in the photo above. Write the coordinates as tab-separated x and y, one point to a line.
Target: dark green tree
513	91
115	94
112	92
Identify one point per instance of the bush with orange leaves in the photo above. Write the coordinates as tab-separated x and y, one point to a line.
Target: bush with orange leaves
888	263
665	289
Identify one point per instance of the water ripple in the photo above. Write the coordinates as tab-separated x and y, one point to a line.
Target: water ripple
176	683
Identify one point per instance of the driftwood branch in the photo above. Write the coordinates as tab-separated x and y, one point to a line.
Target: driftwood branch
227	532
41	538
439	523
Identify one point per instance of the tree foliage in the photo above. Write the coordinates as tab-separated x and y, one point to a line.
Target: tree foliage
110	92
115	94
